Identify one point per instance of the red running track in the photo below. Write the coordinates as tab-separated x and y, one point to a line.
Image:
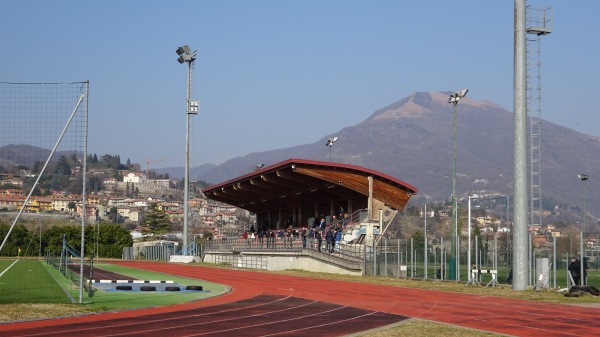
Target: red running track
495	314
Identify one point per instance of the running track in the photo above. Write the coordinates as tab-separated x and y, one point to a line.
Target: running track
263	304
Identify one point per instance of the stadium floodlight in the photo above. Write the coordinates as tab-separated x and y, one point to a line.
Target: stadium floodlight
582	177
454	272
183	49
457	96
186	55
329	143
259	166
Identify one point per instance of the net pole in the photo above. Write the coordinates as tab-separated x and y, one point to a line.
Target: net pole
83	194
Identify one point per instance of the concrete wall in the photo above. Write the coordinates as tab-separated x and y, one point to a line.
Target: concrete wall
286	260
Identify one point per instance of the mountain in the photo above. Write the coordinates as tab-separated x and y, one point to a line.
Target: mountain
26	155
195	172
412	140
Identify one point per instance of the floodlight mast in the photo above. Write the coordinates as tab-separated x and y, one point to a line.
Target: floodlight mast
186	55
454	273
329	143
582	177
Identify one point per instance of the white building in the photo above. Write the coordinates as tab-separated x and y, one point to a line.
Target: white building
135	177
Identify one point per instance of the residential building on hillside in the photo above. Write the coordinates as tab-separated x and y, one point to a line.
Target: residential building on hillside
135	177
61	204
11	203
11	192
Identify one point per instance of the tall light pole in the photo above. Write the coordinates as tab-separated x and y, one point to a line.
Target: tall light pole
471	280
186	55
520	195
454	99
582	177
425	237
329	143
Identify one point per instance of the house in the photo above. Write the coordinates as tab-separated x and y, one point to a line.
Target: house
11	192
135	177
61	204
11	203
90	210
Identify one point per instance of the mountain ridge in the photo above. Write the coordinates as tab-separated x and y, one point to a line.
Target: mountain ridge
412	140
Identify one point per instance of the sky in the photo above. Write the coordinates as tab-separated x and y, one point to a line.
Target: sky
272	74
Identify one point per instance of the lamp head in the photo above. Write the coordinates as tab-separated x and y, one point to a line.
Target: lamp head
183	49
455	97
583	177
331	140
185	54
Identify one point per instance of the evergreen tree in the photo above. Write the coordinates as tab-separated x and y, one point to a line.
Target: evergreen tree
37	166
63	167
156	221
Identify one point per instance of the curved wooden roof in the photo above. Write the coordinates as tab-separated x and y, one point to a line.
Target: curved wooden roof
299	181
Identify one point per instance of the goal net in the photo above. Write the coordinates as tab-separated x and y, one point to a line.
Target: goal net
43	153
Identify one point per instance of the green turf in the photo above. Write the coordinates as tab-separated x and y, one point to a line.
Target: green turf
27	281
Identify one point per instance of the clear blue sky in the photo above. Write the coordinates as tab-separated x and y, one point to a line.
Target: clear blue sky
273	74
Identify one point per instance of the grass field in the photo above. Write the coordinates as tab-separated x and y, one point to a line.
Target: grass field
28	281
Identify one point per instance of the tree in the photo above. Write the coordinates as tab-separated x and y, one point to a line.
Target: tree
63	167
52	238
19	238
156	221
418	241
71	205
94	184
112	214
37	166
111	239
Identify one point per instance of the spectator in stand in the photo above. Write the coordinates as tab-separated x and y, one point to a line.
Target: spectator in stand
315	223
344	220
290	236
245	235
304	235
252	230
338	239
319	240
322	225
261	237
272	239
329	239
334	222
